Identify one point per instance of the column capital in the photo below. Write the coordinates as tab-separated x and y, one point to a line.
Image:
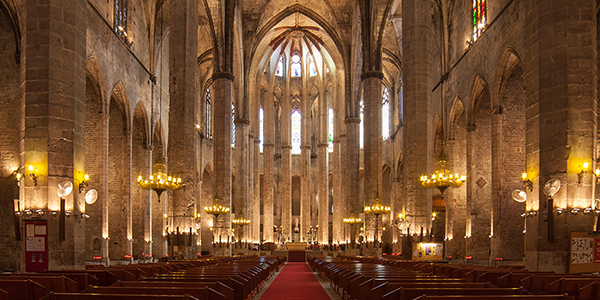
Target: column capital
104	116
335	141
351	120
286	146
269	145
256	140
305	147
342	135
251	135
322	145
371	74
241	121
149	147
127	132
222	75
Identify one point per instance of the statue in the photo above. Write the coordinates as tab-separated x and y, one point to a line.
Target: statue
296	227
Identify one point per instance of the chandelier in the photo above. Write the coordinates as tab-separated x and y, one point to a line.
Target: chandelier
159	181
216	209
351	220
240	221
442	178
377	208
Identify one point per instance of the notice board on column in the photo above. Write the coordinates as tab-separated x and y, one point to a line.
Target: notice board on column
36	245
584	252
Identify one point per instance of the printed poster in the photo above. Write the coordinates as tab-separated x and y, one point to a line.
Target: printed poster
582	250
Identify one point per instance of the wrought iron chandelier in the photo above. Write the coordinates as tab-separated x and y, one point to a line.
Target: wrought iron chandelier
216	209
352	220
240	221
377	208
159	181
442	178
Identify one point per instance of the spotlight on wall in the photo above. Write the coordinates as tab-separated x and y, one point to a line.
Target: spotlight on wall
28	212
54	213
84	183
588	210
32	174
533	213
519	195
559	211
68	213
18	177
575	210
582	173
39	212
526	182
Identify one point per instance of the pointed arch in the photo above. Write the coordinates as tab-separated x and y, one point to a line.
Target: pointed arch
141	111
456	111
508	63
480	88
120	96
93	71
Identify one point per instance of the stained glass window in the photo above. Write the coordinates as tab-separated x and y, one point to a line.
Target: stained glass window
279	70
385	114
296	66
232	125
296	132
330	130
362	124
121	17
208	114
261	129
479	17
312	67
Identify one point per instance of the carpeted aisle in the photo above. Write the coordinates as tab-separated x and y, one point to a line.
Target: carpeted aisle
295	281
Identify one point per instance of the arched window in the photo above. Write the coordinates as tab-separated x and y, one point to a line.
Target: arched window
400	106
261	129
296	132
232	125
296	66
208	114
279	70
479	17
362	124
121	18
330	130
312	67
385	114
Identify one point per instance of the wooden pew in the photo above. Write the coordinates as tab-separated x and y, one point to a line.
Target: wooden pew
411	293
80	296
105	278
22	289
83	279
216	285
499	297
59	284
198	292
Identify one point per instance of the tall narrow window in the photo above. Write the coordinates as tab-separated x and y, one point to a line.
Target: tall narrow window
362	124
208	114
232	125
330	130
312	67
296	132
261	129
385	114
279	70
400	106
121	18
296	66
479	17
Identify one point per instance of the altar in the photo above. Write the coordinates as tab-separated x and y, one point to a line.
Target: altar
296	245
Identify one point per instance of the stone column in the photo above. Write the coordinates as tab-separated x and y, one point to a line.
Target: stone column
269	166
306	192
372	141
339	210
147	194
351	172
286	188
182	151
103	191
418	115
323	233
126	197
54	118
255	225
561	124
241	166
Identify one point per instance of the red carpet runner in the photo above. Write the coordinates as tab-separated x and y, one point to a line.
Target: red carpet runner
295	281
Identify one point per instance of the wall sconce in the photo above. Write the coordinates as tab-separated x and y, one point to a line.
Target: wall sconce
84	183
28	212
84	216
559	211
54	213
18	176
583	172
532	213
587	210
575	210
68	213
524	215
32	174
526	182
433	215
39	213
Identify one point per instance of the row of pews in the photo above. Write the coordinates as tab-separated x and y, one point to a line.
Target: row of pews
219	278
362	278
